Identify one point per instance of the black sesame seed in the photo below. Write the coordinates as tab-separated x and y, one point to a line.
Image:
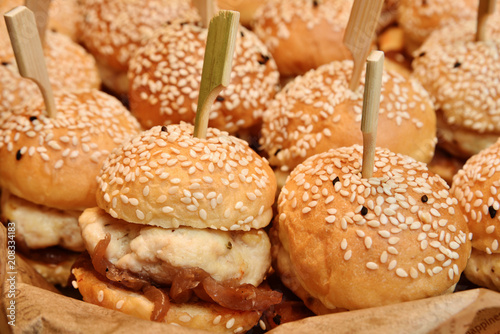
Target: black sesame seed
264	59
424	2
18	155
229	245
242	34
364	211
5	63
220	98
164	128
184	23
424	199
277	319
422	54
335	180
33	118
492	212
315	3
457	64
277	151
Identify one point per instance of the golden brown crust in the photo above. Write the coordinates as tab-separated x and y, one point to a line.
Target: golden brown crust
285	27
167	178
317	111
200	315
112	41
483	269
247	8
165	76
420	18
357	243
476	186
54	161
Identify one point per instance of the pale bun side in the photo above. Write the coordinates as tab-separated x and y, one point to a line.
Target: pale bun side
302	35
317	111
483	269
356	243
247	8
200	315
476	186
166	177
56	274
54	161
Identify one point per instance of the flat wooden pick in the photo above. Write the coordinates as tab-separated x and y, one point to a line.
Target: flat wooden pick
217	65
206	8
29	53
371	104
359	34
485	9
41	10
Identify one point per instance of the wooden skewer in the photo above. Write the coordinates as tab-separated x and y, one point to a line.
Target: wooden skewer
486	8
371	104
29	53
359	34
206	9
41	10
217	65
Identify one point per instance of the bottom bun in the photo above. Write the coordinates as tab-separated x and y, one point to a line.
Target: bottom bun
56	274
484	269
198	315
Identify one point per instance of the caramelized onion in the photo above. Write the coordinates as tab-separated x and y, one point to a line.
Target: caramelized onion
245	297
160	300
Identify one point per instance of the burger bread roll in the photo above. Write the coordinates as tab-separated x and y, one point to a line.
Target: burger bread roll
184	214
318	111
69	67
303	34
462	80
65	16
112	30
165	77
419	18
356	243
49	166
476	187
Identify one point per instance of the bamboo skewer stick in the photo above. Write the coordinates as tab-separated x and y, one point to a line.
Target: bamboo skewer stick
371	104
29	53
359	34
41	10
486	8
217	65
206	9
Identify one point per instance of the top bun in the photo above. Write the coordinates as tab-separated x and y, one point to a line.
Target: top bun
355	242
303	34
476	187
54	161
317	111
166	177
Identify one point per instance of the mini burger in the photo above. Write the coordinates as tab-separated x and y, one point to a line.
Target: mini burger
178	235
344	242
49	168
477	188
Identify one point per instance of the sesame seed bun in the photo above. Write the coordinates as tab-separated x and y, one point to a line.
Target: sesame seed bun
303	34
419	18
462	80
165	77
356	243
165	177
69	66
199	315
476	187
15	91
54	161
318	111
112	30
